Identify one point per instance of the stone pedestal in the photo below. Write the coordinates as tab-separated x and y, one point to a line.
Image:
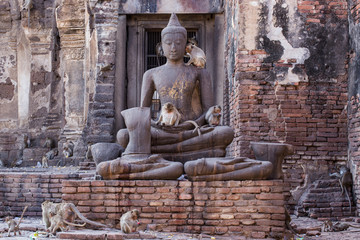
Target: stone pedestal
274	153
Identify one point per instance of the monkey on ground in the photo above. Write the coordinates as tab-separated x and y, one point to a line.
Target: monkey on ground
196	54
345	180
213	116
51	154
68	149
49	143
67	211
13	225
26	141
44	162
328	226
129	221
57	222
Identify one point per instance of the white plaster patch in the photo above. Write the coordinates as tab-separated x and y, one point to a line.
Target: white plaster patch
42	61
41	98
300	54
251	21
7	61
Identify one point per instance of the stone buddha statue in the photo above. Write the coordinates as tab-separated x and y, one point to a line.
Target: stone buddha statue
154	151
190	90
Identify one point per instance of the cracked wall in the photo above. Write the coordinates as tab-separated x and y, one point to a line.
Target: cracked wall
289	84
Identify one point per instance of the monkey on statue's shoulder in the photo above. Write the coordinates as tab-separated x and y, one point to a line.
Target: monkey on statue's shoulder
196	54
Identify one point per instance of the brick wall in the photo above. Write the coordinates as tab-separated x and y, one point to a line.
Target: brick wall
101	109
324	200
355	11
29	189
250	208
279	97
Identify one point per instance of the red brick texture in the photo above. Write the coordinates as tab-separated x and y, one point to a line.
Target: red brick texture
355	11
251	208
18	190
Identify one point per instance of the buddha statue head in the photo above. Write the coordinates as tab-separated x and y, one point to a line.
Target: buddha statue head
173	39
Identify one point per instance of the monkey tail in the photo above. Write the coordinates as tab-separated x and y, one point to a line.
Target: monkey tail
74	224
82	217
348	197
22	215
197	128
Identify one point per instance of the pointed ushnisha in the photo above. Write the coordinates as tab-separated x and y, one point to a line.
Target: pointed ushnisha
173	26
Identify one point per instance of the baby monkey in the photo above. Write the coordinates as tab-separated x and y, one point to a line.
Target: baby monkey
129	221
196	54
13	225
213	116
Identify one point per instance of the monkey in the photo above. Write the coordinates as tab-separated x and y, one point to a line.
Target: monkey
197	128
49	143
44	162
57	222
288	221
27	5
26	141
68	149
345	180
169	115
159	52
17	161
193	41
129	221
328	226
67	211
13	226
213	116
51	154
88	152
196	54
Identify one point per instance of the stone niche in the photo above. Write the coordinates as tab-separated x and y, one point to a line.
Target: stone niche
249	208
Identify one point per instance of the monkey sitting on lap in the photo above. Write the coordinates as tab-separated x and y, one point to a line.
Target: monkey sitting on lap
170	116
213	116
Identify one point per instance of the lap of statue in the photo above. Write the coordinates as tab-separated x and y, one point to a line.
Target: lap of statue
182	145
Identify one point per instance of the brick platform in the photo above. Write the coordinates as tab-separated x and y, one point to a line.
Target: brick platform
250	208
19	189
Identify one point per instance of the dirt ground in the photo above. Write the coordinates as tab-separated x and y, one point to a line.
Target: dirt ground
303	225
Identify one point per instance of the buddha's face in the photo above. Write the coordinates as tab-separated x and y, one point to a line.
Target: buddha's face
174	46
